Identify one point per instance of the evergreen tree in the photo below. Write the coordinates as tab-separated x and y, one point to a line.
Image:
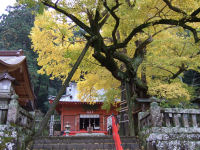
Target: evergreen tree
15	27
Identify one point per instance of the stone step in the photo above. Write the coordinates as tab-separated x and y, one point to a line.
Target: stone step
83	143
97	146
59	140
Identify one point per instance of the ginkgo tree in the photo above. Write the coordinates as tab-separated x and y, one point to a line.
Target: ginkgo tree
137	43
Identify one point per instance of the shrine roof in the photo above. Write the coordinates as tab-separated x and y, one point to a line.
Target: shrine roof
69	99
14	60
14	63
11	59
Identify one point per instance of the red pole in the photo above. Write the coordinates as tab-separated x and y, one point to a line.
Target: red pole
116	136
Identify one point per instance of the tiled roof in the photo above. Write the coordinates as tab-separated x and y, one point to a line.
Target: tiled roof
68	98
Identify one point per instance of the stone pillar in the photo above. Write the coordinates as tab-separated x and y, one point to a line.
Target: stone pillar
13	109
156	116
51	124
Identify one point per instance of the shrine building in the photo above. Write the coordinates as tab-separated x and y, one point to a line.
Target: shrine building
13	68
81	116
17	98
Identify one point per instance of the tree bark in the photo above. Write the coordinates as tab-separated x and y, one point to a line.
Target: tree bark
44	122
130	103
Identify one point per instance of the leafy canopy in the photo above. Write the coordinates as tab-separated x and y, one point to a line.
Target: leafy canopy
167	50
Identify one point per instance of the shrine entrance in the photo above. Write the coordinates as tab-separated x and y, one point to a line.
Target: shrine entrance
89	120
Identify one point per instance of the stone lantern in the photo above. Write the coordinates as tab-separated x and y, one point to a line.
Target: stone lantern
67	129
6	90
6	85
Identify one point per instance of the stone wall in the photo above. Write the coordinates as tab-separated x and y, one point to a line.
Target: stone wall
13	137
18	128
170	128
8	137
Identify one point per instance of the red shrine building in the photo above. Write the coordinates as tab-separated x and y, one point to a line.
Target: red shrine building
81	116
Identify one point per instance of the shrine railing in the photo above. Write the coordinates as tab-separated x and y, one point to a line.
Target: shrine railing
116	136
168	117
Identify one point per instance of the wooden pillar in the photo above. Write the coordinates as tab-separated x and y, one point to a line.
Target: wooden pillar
77	122
101	121
62	118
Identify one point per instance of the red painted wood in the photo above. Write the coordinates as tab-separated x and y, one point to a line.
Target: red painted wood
70	112
116	136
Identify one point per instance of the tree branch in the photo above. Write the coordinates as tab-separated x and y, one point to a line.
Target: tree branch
176	9
90	17
158	12
122	57
140	28
72	17
97	15
44	122
103	21
194	13
142	45
115	17
56	3
162	30
182	68
194	32
159	67
110	64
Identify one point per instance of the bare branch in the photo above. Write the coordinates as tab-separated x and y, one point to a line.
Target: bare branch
103	21
97	15
115	17
72	17
143	45
43	123
157	13
196	12
162	30
182	68
194	32
56	3
198	53
90	17
176	9
162	68
140	28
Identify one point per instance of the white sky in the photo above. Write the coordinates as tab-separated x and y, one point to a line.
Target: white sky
4	4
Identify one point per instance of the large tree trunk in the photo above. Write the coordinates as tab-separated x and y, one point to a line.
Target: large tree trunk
130	98
130	128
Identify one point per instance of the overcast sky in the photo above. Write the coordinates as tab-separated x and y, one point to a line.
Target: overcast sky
4	4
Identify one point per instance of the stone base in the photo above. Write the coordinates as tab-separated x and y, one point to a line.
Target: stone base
173	145
174	138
